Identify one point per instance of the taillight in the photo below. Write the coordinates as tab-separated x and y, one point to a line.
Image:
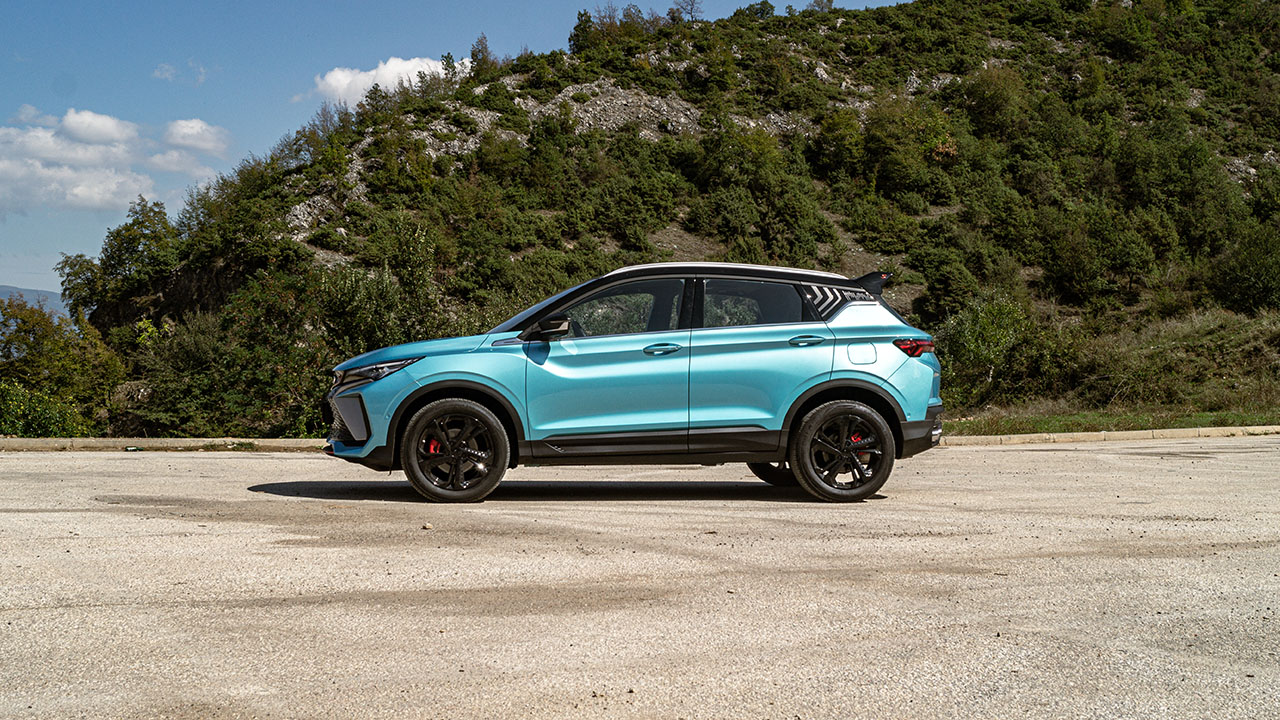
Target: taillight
914	348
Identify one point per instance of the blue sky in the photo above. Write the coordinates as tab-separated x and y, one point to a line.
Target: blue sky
100	102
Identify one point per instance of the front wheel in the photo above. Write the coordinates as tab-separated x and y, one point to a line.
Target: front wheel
454	450
843	451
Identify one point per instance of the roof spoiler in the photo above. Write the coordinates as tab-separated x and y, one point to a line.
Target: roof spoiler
874	282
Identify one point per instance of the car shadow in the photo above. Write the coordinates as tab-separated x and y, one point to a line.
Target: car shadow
558	490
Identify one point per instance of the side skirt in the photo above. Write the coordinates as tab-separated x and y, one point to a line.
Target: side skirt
706	446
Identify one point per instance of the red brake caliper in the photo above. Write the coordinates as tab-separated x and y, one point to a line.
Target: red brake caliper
857	438
433	446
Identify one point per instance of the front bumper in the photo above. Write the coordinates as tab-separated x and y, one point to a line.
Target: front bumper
922	435
349	433
381	458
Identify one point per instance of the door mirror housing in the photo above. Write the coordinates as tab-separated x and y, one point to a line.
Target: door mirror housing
549	328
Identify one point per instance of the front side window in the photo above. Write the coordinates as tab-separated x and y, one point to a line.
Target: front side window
635	307
730	303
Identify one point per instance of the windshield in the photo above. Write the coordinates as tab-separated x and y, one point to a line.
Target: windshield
519	319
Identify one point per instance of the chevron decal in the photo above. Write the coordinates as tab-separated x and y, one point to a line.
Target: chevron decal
828	300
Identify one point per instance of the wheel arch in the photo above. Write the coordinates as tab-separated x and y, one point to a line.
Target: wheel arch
857	390
486	396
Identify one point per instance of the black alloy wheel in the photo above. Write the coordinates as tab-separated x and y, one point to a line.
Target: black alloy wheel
454	450
843	451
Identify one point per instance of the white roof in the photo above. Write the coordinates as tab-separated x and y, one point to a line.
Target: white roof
728	266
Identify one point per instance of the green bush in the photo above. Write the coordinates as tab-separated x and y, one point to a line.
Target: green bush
912	203
994	351
1210	361
29	413
1249	279
57	357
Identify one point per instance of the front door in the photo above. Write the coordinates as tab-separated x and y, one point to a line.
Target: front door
619	383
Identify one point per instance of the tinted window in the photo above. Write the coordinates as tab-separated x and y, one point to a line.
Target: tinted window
728	303
636	307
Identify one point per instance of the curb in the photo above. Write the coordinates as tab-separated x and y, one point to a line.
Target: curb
219	444
1115	436
316	444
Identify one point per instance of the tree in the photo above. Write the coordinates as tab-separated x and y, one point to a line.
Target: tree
996	101
140	249
483	63
450	67
690	10
821	5
133	254
61	359
838	147
81	282
1249	277
585	35
761	10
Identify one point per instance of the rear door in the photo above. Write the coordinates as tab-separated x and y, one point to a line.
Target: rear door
755	347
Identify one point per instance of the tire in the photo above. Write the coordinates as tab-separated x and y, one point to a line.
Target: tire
454	450
773	473
843	451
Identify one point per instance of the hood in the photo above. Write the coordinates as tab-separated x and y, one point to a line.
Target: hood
422	348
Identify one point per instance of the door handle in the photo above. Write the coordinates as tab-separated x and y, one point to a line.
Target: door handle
661	349
803	340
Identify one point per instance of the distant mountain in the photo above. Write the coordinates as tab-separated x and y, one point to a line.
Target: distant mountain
52	299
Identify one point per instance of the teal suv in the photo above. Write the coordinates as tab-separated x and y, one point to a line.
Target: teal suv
807	377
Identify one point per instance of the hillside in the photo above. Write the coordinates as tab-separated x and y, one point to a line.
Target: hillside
51	299
1081	199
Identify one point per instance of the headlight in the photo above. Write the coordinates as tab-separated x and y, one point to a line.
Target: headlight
370	373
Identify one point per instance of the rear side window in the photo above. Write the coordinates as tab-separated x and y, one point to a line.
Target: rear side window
731	303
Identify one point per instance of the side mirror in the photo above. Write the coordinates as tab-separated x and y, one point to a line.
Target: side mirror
551	327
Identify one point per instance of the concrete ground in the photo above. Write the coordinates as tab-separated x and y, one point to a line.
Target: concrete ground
1125	579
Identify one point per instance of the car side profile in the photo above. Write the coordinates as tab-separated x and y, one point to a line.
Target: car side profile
807	377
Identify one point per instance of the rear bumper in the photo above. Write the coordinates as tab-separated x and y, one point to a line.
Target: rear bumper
922	435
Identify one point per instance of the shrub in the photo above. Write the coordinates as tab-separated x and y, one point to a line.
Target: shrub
912	203
57	357
950	287
1249	280
1209	360
464	122
29	413
995	351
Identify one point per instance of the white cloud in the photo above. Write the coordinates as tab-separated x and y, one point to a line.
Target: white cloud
29	115
26	182
194	76
196	134
349	84
90	127
45	145
180	161
87	160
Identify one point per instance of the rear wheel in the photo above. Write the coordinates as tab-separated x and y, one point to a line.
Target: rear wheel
778	473
454	450
843	451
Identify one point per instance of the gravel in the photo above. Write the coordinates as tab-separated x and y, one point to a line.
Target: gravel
1124	579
